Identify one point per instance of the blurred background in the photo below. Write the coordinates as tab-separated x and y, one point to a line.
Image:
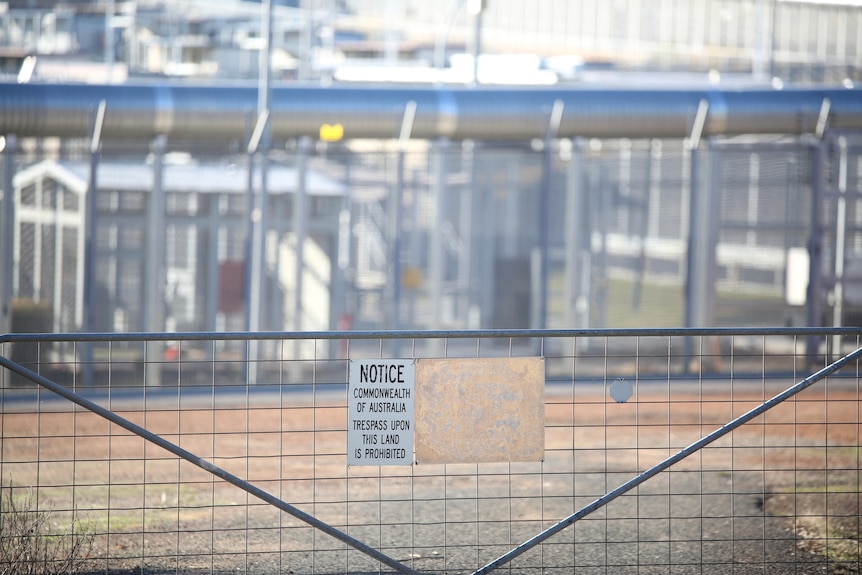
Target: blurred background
807	41
453	165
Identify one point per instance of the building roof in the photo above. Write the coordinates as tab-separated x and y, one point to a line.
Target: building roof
179	177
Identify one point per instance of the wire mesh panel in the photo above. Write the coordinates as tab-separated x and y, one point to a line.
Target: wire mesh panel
779	493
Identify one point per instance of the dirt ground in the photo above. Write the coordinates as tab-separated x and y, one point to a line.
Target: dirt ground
781	494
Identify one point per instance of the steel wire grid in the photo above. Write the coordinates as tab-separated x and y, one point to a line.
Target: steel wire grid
780	493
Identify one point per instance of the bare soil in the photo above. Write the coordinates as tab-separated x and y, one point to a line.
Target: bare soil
794	474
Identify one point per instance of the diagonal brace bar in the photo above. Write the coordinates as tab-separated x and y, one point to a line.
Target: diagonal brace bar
205	465
676	458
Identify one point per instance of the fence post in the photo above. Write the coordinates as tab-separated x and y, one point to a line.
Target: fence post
7	246
396	200
545	209
840	244
577	241
154	291
300	214
700	257
436	267
89	299
813	293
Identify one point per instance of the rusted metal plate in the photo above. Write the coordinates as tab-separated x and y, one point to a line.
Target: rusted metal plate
480	410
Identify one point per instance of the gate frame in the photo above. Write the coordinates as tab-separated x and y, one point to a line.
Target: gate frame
251	489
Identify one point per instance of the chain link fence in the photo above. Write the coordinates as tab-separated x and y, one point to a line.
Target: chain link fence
444	235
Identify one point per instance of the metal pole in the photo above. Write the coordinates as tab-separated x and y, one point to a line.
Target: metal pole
651	198
397	200
154	297
416	239
476	7
90	218
263	104
250	207
698	260
186	112
602	214
261	229
442	38
489	243
840	244
257	201
89	299
300	231
253	244
265	57
251	275
703	229
212	267
7	249
300	219
698	215
465	236
576	240
435	249
712	221
260	143
813	294
545	212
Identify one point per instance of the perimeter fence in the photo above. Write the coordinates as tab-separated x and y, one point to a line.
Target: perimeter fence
661	451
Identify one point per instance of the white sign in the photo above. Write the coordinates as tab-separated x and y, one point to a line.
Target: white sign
380	422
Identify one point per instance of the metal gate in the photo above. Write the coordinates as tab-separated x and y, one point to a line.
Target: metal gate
664	451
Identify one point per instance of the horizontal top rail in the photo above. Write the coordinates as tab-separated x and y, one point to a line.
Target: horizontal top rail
210	112
430	334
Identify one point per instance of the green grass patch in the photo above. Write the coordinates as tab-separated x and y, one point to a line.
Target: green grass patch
627	303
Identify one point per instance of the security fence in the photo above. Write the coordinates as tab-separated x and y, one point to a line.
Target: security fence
585	233
660	451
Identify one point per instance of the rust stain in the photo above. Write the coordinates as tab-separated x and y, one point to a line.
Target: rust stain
480	410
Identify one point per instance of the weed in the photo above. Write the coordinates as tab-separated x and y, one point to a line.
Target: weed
28	543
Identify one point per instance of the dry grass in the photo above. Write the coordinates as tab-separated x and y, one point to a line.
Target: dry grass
31	543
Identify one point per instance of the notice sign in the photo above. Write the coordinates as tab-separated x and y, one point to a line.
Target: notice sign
380	421
480	410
